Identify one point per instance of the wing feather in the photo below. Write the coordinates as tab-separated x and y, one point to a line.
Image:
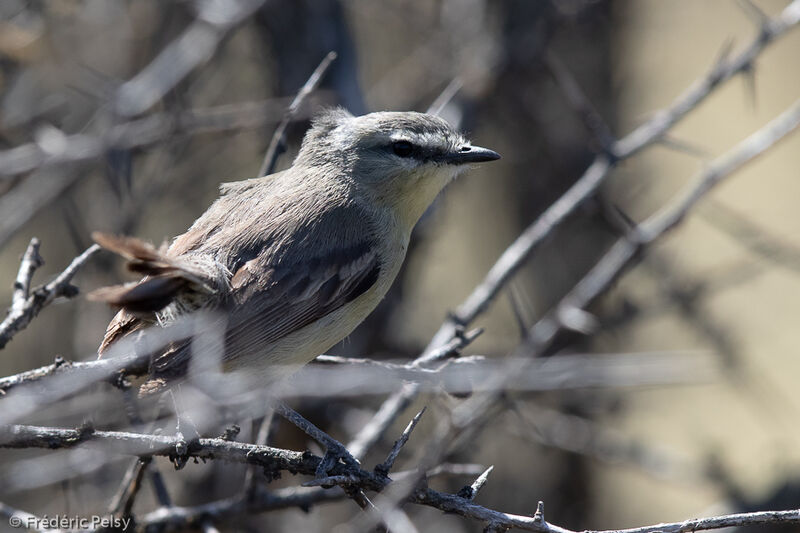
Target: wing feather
299	257
291	281
297	296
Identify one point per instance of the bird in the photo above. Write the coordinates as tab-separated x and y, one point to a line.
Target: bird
294	261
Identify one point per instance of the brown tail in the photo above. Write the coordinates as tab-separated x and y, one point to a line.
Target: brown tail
166	278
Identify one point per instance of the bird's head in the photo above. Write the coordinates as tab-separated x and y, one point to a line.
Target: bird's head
401	159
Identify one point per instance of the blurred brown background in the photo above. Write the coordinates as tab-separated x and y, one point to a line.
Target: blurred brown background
726	282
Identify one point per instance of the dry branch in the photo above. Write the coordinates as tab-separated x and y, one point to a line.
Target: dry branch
193	47
268	458
472	413
140	133
624	251
151	84
31	260
24	309
512	259
277	145
646	134
608	269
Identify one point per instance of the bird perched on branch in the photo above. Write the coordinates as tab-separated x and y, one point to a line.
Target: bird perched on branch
294	261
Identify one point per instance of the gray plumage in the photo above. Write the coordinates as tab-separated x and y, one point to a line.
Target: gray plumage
295	260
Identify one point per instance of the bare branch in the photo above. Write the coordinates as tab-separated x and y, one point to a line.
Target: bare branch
272	459
444	98
48	384
179	518
467	416
593	439
122	502
651	131
759	18
262	431
306	463
192	48
469	492
451	348
625	249
718	522
31	260
750	235
16	436
591	119
390	409
398	401
346	477
141	132
277	145
263	501
386	466
22	312
334	450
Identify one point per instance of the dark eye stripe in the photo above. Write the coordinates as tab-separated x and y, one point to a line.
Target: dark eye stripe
402	148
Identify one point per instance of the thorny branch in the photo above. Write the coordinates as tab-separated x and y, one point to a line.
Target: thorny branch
277	145
600	278
651	131
26	306
528	241
446	342
274	460
602	275
196	45
607	270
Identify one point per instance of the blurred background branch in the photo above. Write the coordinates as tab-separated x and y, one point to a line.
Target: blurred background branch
125	116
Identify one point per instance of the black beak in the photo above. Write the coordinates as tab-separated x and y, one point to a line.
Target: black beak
471	154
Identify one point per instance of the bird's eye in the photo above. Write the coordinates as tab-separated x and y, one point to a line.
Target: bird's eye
402	148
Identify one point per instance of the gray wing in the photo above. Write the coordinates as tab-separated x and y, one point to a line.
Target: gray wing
289	274
271	300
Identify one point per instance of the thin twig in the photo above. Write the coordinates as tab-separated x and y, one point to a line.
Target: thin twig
142	132
411	368
23	312
750	235
262	432
123	500
31	260
390	409
718	522
386	466
277	145
193	47
445	97
649	132
469	492
591	118
593	439
334	450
